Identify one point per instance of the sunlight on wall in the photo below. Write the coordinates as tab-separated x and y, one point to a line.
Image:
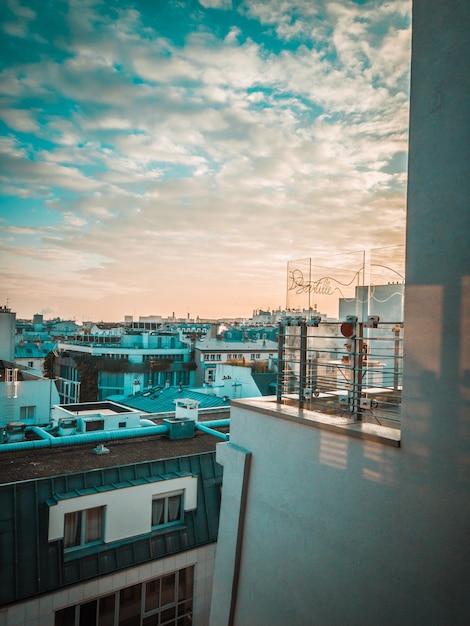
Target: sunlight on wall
465	337
333	451
430	300
380	466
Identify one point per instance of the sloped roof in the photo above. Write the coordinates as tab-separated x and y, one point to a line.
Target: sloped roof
162	399
32	350
22	373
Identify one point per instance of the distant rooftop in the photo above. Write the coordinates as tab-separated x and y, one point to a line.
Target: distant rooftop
162	399
22	373
87	408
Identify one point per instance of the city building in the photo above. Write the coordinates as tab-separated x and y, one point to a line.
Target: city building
212	352
33	354
95	366
241	381
35	340
7	333
330	519
119	535
25	396
159	402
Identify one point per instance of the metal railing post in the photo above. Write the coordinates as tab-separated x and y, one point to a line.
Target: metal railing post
357	374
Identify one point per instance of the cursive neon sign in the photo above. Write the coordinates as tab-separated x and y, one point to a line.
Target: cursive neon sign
323	286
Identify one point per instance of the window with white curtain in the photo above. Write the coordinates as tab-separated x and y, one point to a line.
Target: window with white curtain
167	509
83	528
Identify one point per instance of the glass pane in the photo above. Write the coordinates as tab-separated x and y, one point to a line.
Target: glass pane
185	586
88	613
72	529
94	524
151	621
168	615
129	606
186	607
106	610
174	508
65	617
152	595
168	589
158	511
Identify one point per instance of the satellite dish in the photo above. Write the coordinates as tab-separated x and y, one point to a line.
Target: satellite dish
347	329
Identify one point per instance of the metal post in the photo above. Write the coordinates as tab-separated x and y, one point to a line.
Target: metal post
396	357
357	374
280	362
302	362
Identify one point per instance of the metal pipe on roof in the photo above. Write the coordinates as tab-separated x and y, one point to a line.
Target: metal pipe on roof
78	439
216	423
144	422
210	431
40	432
108	435
25	445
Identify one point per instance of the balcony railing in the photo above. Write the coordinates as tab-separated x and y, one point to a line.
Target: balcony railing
349	369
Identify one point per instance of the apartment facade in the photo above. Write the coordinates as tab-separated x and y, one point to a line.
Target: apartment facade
211	352
113	543
93	367
25	396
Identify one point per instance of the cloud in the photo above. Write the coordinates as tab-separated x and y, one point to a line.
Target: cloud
189	166
216	4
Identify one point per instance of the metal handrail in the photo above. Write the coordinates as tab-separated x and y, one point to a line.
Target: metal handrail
351	369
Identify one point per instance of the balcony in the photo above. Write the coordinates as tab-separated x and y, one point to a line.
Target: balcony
345	361
349	369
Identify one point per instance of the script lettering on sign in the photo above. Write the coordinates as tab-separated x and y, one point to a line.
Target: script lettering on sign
325	286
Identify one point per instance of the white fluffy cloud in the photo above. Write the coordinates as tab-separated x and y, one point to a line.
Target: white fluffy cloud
187	170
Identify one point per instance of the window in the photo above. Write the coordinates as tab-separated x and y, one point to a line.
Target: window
167	509
94	424
27	413
83	528
165	600
129	606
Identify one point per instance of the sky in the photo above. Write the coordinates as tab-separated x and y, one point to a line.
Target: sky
165	157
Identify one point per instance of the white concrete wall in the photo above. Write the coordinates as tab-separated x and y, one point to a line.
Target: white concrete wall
342	531
339	530
234	382
121	521
41	393
7	335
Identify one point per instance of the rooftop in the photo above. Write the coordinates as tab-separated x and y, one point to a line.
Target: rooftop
162	399
28	464
21	373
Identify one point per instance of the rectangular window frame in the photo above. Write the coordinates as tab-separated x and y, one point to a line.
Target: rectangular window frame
78	525
167	516
27	413
168	599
